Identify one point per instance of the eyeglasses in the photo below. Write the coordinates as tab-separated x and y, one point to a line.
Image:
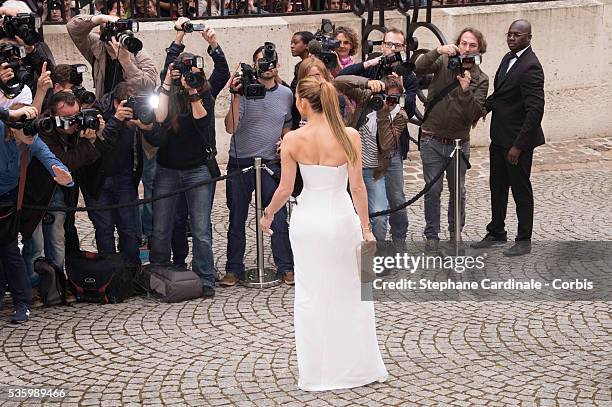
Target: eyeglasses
516	35
395	45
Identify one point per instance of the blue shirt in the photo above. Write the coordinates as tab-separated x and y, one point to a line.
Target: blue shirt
10	160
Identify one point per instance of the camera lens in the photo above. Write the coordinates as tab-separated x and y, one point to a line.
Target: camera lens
128	41
188	27
194	80
376	102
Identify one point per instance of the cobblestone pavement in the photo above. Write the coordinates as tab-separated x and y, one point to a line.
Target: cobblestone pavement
238	349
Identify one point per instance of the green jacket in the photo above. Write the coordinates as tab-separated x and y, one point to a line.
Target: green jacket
453	116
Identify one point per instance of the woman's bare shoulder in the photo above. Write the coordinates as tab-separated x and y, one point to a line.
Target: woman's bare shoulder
353	134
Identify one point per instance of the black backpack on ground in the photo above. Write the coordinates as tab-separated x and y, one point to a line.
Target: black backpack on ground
52	286
100	278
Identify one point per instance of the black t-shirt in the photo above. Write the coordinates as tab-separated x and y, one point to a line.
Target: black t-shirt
113	74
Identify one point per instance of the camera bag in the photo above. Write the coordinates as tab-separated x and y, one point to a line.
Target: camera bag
170	283
52	286
100	279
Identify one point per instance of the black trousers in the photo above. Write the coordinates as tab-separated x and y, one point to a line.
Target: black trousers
505	176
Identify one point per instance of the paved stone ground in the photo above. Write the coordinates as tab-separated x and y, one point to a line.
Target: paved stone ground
238	348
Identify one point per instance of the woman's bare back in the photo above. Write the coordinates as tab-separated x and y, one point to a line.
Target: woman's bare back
316	145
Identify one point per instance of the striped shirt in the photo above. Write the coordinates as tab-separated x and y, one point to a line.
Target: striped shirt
261	124
367	131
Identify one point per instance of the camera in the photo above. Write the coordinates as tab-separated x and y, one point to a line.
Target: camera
123	31
23	25
323	44
12	55
378	100
455	63
251	88
76	73
83	95
269	60
32	127
143	106
388	60
190	27
184	64
87	119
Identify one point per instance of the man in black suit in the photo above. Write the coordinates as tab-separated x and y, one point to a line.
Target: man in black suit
517	104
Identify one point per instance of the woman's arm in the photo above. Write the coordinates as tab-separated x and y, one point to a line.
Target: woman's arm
358	189
283	192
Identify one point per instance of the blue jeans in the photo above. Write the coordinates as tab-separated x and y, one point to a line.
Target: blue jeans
377	201
433	154
13	266
394	184
239	191
146	211
117	189
199	209
180	244
47	237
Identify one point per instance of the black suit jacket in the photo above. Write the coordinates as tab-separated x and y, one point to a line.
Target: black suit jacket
517	104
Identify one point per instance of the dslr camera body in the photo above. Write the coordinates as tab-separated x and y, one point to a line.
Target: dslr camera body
141	105
184	64
251	88
378	100
123	31
455	63
23	25
323	45
12	55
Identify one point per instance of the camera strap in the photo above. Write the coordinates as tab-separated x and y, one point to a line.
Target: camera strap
433	102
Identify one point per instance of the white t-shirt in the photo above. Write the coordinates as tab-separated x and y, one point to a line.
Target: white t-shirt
25	97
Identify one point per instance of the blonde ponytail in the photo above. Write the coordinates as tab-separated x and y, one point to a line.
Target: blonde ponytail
331	108
323	98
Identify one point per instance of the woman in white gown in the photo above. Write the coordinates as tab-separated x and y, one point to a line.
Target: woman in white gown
335	331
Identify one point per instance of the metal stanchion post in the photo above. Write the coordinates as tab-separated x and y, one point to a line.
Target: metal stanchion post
260	277
457	181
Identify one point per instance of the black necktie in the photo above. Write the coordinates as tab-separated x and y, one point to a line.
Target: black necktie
506	63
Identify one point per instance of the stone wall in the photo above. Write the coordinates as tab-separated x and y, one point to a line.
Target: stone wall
572	39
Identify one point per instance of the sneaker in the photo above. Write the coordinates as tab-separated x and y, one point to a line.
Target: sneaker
37	301
21	314
208	292
289	278
229	280
489	240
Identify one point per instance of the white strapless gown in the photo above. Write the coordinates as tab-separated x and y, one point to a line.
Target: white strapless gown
335	332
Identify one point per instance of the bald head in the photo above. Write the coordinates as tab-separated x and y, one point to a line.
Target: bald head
519	35
523	25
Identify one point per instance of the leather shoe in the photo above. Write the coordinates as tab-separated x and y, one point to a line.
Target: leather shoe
289	278
229	280
518	249
488	241
432	246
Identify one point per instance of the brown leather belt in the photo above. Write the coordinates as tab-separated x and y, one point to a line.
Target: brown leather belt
442	140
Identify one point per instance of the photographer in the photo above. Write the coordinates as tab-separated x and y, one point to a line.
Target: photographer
111	62
15	147
187	152
454	66
22	30
257	124
75	147
394	42
380	119
114	177
63	78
